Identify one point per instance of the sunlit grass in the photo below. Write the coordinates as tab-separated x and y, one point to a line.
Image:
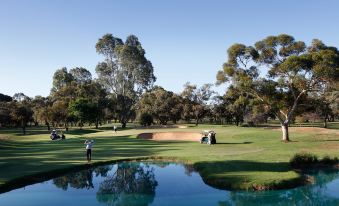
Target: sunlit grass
242	157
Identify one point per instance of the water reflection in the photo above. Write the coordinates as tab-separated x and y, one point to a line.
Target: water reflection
82	179
316	194
159	183
130	184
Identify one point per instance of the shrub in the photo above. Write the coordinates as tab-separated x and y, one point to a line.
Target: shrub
301	160
244	125
328	161
145	119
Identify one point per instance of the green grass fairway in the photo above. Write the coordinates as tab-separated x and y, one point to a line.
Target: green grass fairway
243	157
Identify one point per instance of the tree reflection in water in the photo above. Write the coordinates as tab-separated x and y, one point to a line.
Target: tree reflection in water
308	195
131	184
82	179
134	183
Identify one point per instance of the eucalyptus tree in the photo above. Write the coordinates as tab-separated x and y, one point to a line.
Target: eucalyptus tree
218	111
238	104
161	104
332	98
5	117
125	71
326	102
197	99
41	108
97	97
69	87
83	110
21	110
80	75
5	98
61	78
5	114
294	70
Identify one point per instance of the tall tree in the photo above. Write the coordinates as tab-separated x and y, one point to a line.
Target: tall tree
61	78
293	71
161	104
197	98
237	104
97	96
125	72
80	75
42	110
5	117
5	98
83	110
21	112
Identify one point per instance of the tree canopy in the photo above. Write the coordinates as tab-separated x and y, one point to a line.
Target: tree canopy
294	70
125	71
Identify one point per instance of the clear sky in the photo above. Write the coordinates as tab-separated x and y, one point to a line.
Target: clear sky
186	40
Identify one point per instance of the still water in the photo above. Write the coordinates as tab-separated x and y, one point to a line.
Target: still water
142	183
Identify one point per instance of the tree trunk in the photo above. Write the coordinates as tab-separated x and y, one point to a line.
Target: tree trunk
123	124
66	126
325	122
284	128
96	124
48	126
24	129
197	122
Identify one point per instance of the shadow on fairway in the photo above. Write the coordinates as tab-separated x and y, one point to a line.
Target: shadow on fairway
36	161
43	130
234	142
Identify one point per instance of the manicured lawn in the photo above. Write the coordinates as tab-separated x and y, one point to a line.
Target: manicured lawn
242	158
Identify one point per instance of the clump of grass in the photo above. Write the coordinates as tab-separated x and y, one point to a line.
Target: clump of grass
306	160
303	160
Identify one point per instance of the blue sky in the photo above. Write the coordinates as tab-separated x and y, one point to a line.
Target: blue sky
186	40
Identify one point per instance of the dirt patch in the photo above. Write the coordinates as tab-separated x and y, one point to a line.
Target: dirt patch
180	136
4	138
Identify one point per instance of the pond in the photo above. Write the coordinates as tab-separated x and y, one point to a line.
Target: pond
143	183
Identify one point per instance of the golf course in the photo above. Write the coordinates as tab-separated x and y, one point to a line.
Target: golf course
146	102
243	158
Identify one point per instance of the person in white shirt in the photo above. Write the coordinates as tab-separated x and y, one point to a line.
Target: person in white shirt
89	144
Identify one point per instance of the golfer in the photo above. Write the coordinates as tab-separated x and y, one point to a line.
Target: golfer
89	144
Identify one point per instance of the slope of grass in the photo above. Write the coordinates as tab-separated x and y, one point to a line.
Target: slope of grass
243	158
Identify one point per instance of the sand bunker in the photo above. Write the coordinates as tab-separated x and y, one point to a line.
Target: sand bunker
162	127
180	136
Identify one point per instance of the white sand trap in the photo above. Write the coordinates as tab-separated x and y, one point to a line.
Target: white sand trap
180	136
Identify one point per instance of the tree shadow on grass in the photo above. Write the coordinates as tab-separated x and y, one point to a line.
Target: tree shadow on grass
81	131
33	160
43	130
234	142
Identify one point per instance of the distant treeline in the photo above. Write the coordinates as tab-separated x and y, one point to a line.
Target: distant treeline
301	85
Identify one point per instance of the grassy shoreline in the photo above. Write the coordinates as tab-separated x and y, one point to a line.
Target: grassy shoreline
245	158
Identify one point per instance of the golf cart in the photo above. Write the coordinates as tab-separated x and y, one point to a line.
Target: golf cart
208	137
56	136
